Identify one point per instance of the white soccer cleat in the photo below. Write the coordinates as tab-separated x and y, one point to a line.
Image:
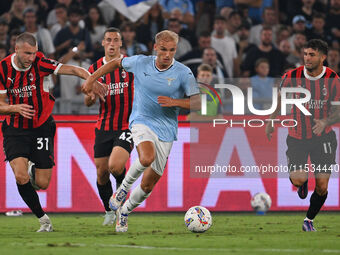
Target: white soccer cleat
31	173
45	224
118	198
109	218
122	221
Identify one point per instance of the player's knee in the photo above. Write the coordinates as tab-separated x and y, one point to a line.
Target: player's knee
103	177
321	189
146	160
146	187
298	182
22	178
43	185
115	168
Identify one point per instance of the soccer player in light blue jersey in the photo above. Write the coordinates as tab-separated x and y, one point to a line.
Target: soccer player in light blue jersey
160	85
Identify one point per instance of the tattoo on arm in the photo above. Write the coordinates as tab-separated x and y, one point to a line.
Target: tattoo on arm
334	117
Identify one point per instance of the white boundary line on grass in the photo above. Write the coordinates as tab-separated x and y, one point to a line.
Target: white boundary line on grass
177	248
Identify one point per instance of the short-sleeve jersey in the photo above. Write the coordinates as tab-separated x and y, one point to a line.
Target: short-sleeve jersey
325	91
26	86
150	83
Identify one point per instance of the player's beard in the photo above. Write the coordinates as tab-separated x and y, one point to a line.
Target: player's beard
312	68
21	63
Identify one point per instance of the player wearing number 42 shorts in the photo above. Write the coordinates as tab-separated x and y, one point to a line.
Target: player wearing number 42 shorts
29	128
113	139
313	135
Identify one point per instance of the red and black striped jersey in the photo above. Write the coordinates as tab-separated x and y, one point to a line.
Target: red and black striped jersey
325	91
114	113
27	86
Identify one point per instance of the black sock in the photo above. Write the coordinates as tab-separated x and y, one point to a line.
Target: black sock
316	202
30	196
120	178
105	192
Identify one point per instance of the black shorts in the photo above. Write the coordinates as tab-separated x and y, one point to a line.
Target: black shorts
105	141
35	144
321	149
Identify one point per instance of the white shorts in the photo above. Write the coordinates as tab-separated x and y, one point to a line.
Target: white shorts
142	133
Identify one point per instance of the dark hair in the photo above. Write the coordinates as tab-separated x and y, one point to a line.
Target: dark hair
219	17
266	28
59	6
75	10
14	32
128	24
29	10
268	8
3	47
26	37
204	33
112	30
174	20
300	33
333	49
88	22
260	61
235	13
317	44
319	15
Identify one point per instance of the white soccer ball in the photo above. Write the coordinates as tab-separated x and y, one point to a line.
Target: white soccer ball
198	219
261	202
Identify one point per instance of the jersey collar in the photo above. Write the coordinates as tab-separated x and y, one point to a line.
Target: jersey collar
162	70
316	77
16	67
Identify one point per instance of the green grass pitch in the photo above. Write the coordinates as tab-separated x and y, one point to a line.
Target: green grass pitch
165	233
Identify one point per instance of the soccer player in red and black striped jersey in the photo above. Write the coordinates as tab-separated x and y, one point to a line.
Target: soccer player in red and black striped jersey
29	128
113	140
313	135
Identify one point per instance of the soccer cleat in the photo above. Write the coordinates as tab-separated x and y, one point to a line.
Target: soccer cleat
117	199
122	221
303	190
45	224
308	226
109	218
31	173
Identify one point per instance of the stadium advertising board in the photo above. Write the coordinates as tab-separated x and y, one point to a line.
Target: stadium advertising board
73	184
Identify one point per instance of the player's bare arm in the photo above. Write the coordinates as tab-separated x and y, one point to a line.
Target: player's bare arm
107	68
24	110
96	87
333	118
269	126
193	103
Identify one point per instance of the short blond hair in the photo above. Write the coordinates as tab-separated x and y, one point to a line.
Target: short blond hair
166	35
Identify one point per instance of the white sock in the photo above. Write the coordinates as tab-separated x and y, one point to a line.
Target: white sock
44	218
136	198
307	219
135	170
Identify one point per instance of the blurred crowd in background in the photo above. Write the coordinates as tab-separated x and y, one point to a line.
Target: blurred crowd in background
248	43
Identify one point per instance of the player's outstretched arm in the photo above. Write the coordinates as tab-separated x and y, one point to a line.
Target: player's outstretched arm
107	68
192	103
270	126
333	118
25	110
96	87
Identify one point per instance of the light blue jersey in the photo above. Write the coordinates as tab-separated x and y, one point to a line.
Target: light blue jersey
150	83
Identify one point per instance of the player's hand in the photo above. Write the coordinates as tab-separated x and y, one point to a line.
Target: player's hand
319	126
25	110
100	90
166	101
269	130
